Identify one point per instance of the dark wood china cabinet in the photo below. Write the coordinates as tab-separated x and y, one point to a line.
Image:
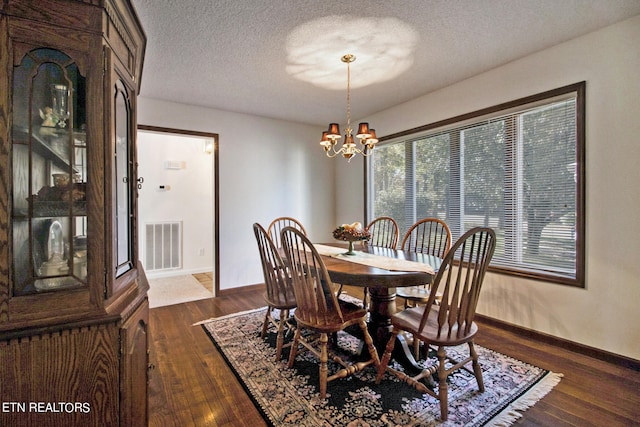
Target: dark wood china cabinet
73	298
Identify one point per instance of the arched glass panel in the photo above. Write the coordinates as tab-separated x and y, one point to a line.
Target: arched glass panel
124	177
49	174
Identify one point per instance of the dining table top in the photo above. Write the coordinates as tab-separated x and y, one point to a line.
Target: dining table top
343	269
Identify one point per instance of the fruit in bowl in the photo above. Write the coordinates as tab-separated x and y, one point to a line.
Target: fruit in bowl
355	226
351	232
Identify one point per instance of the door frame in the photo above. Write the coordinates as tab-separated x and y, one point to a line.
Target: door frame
216	192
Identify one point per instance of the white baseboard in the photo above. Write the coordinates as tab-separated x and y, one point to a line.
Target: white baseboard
180	272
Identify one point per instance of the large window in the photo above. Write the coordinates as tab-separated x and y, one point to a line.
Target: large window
516	167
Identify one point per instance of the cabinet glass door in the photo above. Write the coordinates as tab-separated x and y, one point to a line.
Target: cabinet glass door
124	181
49	174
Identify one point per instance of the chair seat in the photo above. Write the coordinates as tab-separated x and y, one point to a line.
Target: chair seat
351	313
409	320
415	293
419	294
282	301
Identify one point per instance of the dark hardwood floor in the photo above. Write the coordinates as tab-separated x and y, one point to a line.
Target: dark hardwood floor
191	384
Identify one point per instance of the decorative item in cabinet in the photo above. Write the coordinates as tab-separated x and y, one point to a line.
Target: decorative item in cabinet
63	198
80	137
55	270
58	264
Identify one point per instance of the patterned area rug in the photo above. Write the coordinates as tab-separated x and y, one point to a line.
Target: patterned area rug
290	397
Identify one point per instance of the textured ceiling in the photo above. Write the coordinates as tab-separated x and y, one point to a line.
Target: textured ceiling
281	58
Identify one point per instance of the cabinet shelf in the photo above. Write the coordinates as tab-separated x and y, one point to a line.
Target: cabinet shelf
42	209
53	209
43	145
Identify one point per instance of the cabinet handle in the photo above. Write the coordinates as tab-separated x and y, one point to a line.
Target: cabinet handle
151	366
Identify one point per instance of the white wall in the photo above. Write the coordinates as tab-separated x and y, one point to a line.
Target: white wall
187	196
605	315
268	168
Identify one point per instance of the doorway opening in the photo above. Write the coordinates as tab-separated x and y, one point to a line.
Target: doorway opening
178	204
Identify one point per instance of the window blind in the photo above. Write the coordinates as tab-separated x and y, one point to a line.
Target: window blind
514	170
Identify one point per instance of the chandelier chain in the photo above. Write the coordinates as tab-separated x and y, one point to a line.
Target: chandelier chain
348	97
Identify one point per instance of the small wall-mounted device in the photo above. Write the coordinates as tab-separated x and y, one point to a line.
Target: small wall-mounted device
175	164
164	187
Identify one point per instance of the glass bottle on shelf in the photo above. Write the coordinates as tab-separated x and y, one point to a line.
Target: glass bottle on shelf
49	164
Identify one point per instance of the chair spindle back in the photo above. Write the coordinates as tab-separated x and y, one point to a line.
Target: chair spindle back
384	232
276	277
278	224
317	303
429	236
459	285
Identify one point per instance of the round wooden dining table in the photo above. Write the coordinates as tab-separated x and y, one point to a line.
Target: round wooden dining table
382	286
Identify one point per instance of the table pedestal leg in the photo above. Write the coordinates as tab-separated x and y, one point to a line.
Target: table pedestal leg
383	306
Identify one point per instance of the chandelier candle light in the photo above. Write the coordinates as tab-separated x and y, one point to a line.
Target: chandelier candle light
366	136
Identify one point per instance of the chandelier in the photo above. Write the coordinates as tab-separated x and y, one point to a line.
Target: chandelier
366	136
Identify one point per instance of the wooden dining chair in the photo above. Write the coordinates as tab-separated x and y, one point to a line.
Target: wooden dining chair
280	223
279	294
429	236
448	322
384	232
319	310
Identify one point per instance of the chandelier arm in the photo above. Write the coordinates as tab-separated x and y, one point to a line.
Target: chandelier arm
365	152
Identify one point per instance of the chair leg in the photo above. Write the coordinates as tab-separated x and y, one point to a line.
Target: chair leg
294	348
387	354
265	324
369	341
284	315
416	347
477	370
443	389
324	357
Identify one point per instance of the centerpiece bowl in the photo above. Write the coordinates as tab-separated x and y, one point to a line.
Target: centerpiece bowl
351	233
